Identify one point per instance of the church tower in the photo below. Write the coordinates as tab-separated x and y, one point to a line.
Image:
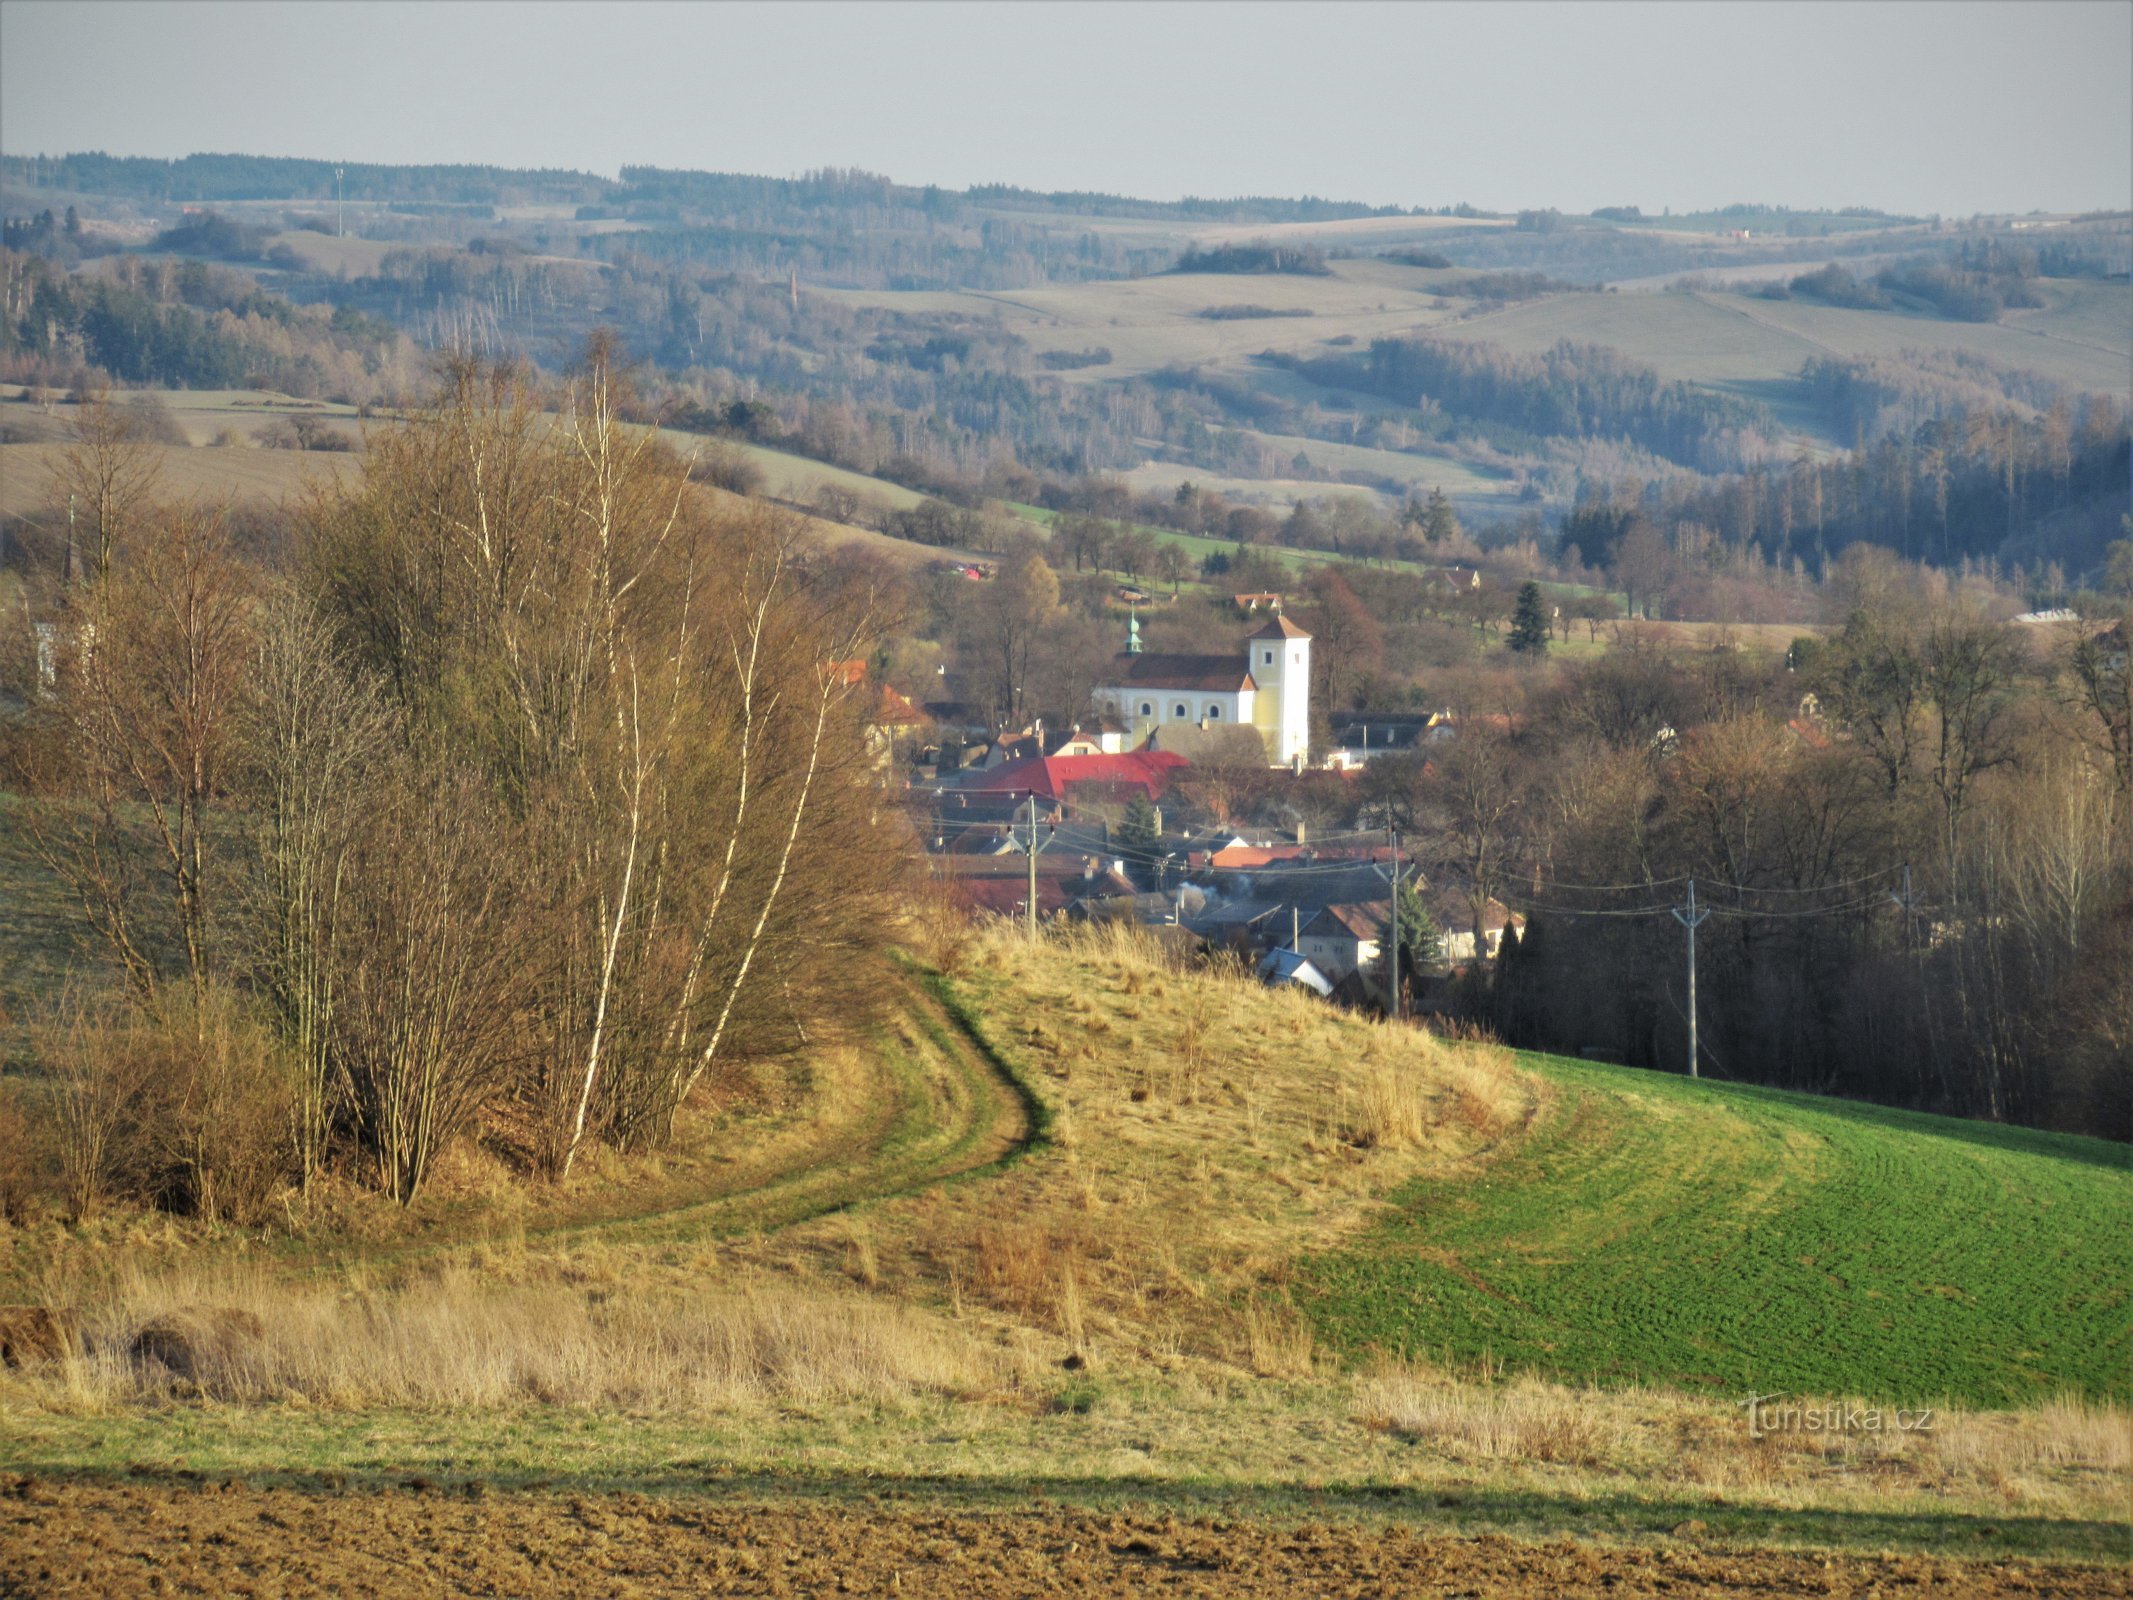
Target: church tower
1279	659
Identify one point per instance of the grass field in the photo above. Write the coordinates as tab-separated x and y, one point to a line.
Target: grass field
1708	1236
1749	346
1153	322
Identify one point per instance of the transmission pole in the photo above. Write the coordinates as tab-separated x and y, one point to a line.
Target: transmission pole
1032	851
340	211
1691	919
1395	832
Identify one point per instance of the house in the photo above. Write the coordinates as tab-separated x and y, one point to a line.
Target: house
1345	938
1359	740
1265	686
1250	603
1099	736
1279	966
1454	916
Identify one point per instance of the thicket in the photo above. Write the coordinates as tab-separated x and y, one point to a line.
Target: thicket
520	795
1255	258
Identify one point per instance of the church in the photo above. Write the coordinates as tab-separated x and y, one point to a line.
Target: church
1266	687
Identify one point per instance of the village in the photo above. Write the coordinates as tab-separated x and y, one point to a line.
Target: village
1147	808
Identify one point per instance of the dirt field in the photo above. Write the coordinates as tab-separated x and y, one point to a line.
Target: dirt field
227	1538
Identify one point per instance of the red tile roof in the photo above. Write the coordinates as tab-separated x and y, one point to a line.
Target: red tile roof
1050	776
1279	627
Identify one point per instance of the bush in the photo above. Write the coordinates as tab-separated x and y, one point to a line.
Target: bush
185	1107
726	466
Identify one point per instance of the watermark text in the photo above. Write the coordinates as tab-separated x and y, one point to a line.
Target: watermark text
1770	1414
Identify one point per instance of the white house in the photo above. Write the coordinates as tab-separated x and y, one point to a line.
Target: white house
1344	939
1266	686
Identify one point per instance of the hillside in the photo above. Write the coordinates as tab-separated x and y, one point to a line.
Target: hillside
1167	1292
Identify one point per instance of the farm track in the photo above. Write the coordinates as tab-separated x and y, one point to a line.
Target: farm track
928	1104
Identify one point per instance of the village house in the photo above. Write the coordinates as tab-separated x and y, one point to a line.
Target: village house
1344	939
1454	916
1266	686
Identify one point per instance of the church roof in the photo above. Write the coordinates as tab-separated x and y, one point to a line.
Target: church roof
1224	674
1279	627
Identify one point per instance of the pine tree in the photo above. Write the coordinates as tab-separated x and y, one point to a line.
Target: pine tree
1529	623
1421	945
1439	524
1137	830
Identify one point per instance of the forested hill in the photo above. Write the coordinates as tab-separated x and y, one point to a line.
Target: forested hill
223	178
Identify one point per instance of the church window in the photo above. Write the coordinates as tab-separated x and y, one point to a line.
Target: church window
1214	713
1147	710
1266	658
1180	711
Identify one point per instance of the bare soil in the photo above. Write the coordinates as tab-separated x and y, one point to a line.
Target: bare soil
223	1537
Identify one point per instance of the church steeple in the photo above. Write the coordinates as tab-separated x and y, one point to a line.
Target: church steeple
1133	634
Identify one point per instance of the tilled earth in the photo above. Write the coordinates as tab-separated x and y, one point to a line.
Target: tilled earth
95	1537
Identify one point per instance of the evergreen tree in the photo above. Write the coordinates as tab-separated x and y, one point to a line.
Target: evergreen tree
1529	624
1421	944
1137	831
1439	524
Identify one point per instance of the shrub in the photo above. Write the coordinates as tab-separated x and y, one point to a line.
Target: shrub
726	466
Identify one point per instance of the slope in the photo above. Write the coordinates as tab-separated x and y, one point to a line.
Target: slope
1725	1238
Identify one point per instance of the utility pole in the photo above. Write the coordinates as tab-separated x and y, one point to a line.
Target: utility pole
340	211
1032	906
1395	832
1691	919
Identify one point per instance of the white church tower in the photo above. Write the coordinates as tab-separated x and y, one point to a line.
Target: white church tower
1279	659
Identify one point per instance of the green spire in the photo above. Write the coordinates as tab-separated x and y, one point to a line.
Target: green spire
1133	634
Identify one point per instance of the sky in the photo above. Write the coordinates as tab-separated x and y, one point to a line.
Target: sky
1918	107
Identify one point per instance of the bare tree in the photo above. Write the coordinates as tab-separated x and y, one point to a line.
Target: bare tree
144	728
315	738
427	977
108	471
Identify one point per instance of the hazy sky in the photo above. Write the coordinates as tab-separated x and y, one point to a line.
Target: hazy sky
1915	107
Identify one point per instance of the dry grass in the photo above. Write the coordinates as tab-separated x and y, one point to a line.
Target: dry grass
2065	1455
1526	1420
455	1340
1208	1130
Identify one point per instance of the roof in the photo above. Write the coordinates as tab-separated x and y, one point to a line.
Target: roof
1279	627
895	711
1454	913
1224	674
1363	921
1286	966
1009	896
1050	776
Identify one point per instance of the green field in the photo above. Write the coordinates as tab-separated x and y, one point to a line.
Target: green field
1652	1230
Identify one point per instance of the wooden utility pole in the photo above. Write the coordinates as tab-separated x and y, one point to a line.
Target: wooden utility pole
1395	832
1691	919
1032	850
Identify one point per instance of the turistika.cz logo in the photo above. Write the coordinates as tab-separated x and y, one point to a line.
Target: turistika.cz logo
1776	1413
